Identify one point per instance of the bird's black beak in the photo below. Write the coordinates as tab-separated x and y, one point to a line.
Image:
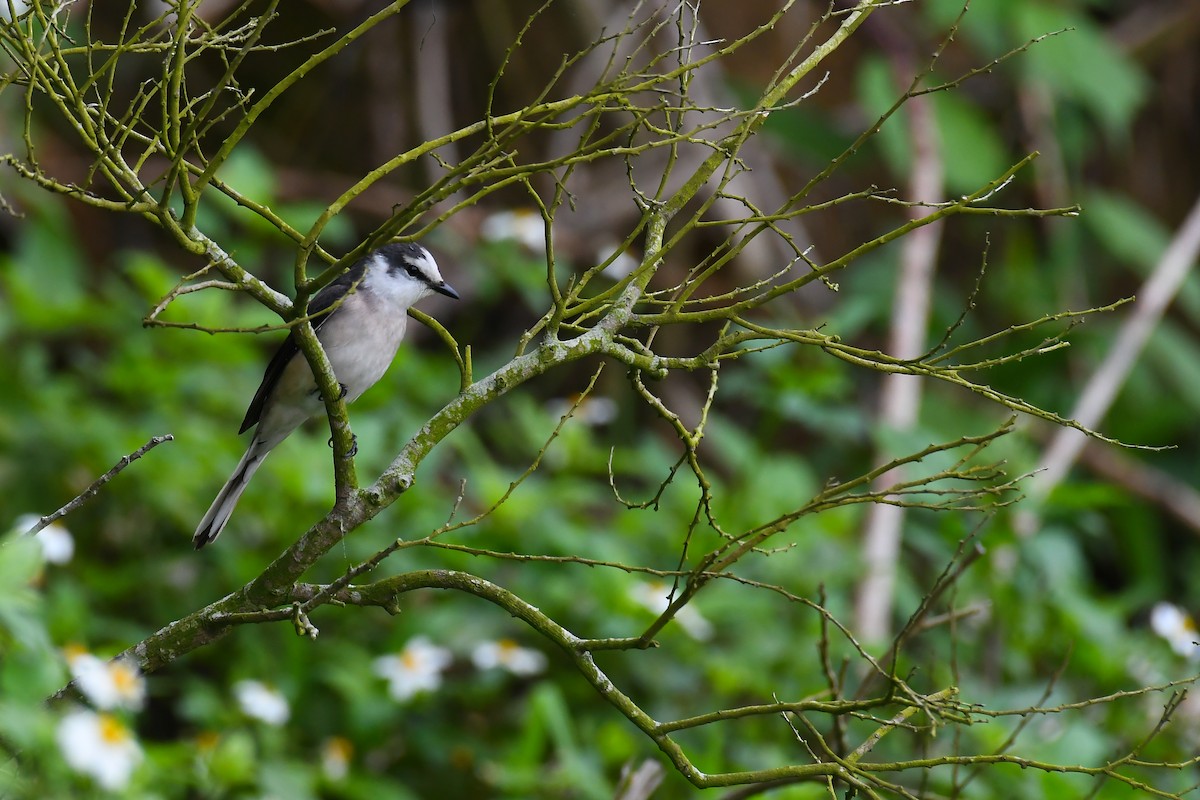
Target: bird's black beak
444	288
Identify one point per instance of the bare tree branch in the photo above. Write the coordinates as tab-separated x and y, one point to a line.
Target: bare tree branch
96	485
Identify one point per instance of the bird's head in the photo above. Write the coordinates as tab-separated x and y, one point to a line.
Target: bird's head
405	273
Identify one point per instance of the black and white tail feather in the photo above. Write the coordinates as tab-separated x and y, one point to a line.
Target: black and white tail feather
360	336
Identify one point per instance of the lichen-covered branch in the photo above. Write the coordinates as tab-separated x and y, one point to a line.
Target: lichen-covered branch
154	153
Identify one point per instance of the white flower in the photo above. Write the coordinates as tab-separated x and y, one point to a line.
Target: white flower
58	546
654	595
262	702
508	654
523	225
593	410
100	746
1177	627
107	684
335	757
621	266
417	668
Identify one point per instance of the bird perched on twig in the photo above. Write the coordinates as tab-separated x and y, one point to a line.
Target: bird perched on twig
360	336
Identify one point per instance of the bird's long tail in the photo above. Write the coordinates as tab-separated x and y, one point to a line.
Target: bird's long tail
214	521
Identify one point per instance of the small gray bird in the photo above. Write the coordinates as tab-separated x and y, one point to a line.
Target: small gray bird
360	337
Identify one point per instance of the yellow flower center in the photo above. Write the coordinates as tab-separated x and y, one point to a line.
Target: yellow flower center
112	731
74	651
338	748
125	679
207	741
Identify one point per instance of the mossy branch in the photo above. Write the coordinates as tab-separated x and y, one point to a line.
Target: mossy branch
152	155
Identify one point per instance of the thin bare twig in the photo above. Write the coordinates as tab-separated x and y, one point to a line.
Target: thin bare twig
900	395
1157	292
90	492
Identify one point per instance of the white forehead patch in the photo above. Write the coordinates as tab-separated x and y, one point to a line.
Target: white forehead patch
427	265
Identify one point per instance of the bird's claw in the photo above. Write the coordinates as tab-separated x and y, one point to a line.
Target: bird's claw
353	445
342	392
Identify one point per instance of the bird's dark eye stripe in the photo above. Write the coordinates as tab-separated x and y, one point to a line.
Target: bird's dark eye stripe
412	269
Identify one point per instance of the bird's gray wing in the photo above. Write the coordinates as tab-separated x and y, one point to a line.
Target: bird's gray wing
321	302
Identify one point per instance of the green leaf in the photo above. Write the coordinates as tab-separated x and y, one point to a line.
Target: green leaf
234	758
971	148
1126	230
877	91
1080	64
1175	354
46	255
1131	234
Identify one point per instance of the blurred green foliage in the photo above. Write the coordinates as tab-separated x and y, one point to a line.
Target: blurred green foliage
85	383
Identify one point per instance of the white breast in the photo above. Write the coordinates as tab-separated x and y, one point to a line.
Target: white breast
360	356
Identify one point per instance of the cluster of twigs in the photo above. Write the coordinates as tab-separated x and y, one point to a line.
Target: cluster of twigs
157	152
